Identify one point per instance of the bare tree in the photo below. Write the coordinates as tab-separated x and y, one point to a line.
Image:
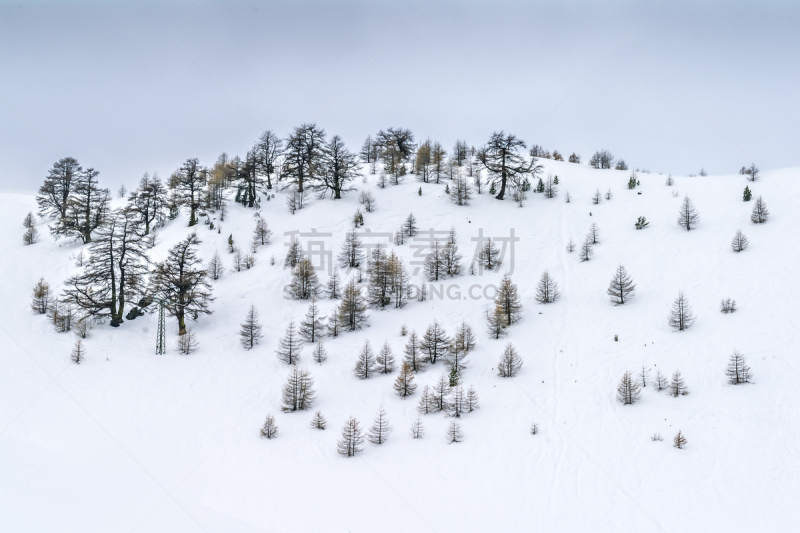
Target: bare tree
454	433
78	352
628	391
681	316
687	216
384	362
290	346
318	421
677	387
504	164
621	289
679	441
366	365
594	234
41	297
435	343
298	391
547	290
381	429
739	242
352	438
215	266
404	384
586	252
417	428
760	212
752	172
305	283
413	353
508	301
270	429
312	326
250	331
738	371
187	342
660	381
509	363
352	309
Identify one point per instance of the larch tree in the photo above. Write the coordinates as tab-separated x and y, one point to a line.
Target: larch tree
352	438
628	391
760	213
508	301
464	339
594	234
303	155
305	283
586	252
320	355
268	150
677	386
353	307
395	146
681	316
182	283
404	385
381	429
262	234
489	256
333	290
114	272
190	183
417	428
660	381
337	170
366	365
312	326
298	391
454	433
87	208
435	343
687	216
495	322
547	290
410	225
250	330
270	429
413	353
384	361
56	191
290	346
352	254
504	164
215	266
78	352
440	394
42	297
426	404
149	200
738	371
318	421
621	288
510	362
739	242
472	400
679	441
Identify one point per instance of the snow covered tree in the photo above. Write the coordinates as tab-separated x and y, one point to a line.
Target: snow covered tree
366	365
677	387
660	381
417	428
509	363
508	301
270	429
250	330
115	270
454	433
628	390
334	287
739	242
550	187
570	246
547	290
426	403
215	266
404	384
458	402
381	429
384	362
352	309
298	391
435	343
352	439
748	194
760	212
318	421
679	441
687	216
262	234
41	297
187	342
182	283
319	354
472	401
367	199
681	316
290	346
413	353
305	283
586	252
504	164
352	254
621	288
55	193
149	201
312	326
737	371
78	352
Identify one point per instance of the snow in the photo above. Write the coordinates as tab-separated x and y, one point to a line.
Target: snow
131	441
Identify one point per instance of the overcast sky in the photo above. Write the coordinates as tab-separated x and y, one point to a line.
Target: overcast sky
129	87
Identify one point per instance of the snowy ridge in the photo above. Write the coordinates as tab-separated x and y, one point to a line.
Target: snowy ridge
131	441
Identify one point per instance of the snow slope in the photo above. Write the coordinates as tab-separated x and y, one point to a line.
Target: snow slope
131	441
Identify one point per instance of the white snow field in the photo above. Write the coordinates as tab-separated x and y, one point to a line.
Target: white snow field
133	442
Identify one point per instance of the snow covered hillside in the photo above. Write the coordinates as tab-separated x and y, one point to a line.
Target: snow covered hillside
131	441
